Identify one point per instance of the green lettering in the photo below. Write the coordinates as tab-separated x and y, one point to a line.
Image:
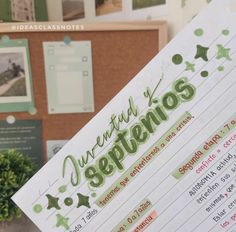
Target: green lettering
75	178
138	133
84	160
133	108
92	173
161	113
117	155
187	90
114	123
104	166
131	146
170	101
99	142
150	120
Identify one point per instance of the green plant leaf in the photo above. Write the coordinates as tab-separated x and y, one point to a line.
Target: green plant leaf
15	170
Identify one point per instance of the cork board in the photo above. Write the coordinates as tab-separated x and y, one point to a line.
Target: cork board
119	52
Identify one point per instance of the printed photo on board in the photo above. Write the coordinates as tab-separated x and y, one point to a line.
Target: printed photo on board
14	75
23	10
107	6
73	9
54	146
139	4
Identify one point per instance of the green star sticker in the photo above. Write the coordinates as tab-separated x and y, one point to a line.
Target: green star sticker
189	66
201	52
52	202
62	221
83	200
223	52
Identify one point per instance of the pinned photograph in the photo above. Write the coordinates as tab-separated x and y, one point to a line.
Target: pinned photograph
14	75
107	6
139	4
73	9
54	146
23	10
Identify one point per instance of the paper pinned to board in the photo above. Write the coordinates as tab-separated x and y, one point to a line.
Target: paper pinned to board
16	89
161	155
68	67
23	11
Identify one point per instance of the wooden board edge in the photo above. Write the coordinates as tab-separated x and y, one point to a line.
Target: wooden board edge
160	25
88	26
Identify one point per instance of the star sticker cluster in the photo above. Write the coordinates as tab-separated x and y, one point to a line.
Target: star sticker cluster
202	53
53	202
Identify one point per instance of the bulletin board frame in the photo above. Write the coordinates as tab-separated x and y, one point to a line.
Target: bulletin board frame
158	25
119	50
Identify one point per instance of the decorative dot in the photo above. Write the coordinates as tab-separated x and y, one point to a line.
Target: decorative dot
177	59
225	32
221	68
62	189
67	40
199	32
38	208
5	39
204	73
93	194
11	119
68	201
32	110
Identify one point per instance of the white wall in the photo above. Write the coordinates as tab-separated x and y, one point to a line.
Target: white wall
179	15
176	15
55	11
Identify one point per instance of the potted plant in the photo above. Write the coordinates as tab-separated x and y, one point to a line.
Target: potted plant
15	170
